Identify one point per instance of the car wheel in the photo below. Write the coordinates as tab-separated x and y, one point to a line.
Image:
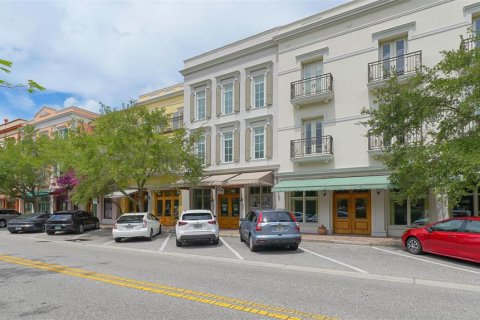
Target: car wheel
50	233
414	246
216	242
3	223
13	231
179	243
150	237
160	230
117	239
293	246
251	245
97	225
80	228
241	238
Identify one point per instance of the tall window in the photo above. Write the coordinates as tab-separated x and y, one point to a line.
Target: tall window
391	49
63	133
312	133
476	26
201	199
304	205
200	105
312	70
201	149
259	143
228	147
260	197
259	91
409	212
228	98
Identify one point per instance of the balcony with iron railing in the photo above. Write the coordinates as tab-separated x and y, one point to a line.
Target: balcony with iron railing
403	66
312	149
379	144
471	43
311	90
175	123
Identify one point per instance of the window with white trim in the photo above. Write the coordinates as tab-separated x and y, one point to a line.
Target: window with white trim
259	91
228	98
409	212
393	49
304	206
200	105
259	143
228	147
201	149
476	26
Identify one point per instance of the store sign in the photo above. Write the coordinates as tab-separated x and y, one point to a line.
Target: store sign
220	190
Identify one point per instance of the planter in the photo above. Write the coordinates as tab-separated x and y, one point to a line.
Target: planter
322	230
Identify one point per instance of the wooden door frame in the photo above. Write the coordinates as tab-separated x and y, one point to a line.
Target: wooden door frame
351	196
226	221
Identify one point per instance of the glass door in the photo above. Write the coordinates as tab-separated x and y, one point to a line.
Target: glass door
229	208
312	133
310	71
391	50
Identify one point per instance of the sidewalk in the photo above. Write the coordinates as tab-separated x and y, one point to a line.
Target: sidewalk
309	237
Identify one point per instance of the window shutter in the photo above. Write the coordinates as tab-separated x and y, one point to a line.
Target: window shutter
236	92
219	101
208	102
236	146
269	79
192	106
248	88
247	143
217	148
269	137
208	150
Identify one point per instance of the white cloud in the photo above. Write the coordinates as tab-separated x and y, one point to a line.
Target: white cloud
112	51
90	104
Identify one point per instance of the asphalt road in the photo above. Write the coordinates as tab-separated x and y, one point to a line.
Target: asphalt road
68	276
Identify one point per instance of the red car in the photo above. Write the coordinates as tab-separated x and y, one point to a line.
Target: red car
456	238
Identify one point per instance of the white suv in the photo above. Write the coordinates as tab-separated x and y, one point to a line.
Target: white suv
196	225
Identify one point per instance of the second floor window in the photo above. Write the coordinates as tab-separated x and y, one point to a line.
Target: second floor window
228	98
259	91
201	149
200	105
476	26
259	143
228	147
393	49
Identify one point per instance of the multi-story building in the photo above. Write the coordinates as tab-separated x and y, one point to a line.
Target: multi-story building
162	198
288	101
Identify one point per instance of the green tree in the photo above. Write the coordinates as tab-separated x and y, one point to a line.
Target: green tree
127	149
430	126
31	85
26	166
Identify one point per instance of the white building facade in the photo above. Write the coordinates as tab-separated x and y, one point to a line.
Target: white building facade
314	76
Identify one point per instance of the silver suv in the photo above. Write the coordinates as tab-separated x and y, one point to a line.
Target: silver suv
270	227
7	215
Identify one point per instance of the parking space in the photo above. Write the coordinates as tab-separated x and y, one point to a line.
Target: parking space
387	261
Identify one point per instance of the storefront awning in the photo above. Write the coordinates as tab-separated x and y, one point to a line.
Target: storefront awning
216	180
350	183
119	194
264	178
41	193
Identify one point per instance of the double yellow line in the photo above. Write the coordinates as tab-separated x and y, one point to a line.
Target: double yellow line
197	296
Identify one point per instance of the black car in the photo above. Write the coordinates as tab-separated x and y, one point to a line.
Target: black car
73	221
28	222
7	215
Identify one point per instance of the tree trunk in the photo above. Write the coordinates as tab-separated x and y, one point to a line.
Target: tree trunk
140	200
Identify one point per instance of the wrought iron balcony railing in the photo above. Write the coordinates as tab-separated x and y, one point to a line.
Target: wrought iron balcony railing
380	143
471	43
175	123
400	65
311	86
311	147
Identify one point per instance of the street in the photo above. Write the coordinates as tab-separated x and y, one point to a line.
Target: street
69	276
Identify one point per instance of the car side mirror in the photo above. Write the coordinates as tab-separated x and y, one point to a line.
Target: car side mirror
430	229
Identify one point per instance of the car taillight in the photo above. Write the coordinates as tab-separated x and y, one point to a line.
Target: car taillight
298	226
258	227
181	223
212	222
115	226
295	220
144	224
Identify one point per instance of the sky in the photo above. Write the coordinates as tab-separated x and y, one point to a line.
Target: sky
86	52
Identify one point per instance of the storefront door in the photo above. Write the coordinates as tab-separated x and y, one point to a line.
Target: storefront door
229	208
351	213
167	207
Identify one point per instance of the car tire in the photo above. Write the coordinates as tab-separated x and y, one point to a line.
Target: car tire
3	223
414	246
97	225
150	237
241	238
160	230
293	246
50	233
117	239
216	242
179	243
13	231
80	228
252	247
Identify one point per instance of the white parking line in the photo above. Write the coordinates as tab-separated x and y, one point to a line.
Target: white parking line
164	244
333	260
106	244
231	249
80	235
427	261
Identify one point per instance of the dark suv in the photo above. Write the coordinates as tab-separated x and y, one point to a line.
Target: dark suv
6	215
270	227
73	221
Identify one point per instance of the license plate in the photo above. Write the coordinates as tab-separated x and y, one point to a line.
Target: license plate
58	227
279	228
18	228
129	227
197	226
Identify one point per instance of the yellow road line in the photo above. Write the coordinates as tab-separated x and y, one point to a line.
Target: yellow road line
206	298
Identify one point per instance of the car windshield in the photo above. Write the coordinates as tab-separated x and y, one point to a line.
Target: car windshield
130	219
276	216
61	216
197	216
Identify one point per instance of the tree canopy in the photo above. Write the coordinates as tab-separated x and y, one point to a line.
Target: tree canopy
430	126
31	85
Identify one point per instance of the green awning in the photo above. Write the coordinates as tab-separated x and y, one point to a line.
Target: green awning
350	183
41	193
